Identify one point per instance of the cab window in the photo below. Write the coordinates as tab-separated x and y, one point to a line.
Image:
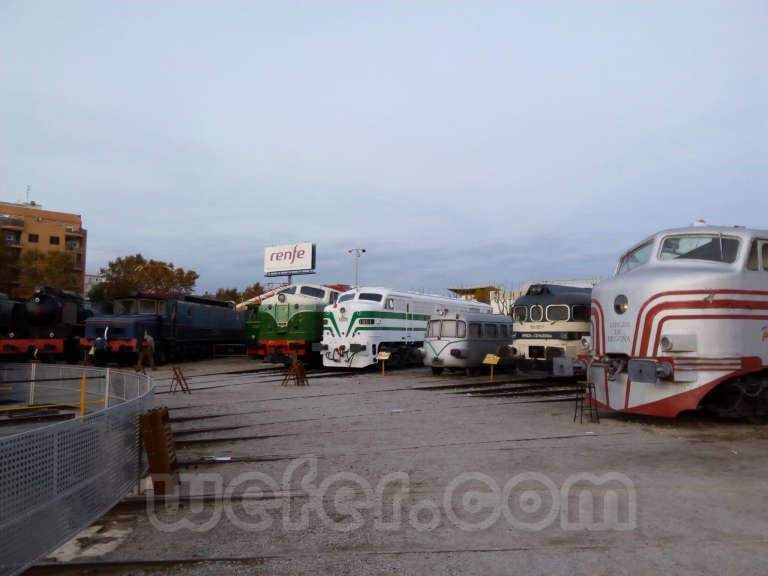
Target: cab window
147	306
433	330
370	296
557	312
127	306
474	330
491	331
714	248
346	297
520	314
312	291
449	329
580	313
752	263
765	255
635	258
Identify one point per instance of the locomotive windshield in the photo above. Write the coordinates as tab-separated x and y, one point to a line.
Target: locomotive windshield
635	258
345	297
714	248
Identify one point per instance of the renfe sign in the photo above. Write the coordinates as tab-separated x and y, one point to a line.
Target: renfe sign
289	257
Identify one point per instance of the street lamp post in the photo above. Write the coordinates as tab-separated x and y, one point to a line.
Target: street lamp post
356	252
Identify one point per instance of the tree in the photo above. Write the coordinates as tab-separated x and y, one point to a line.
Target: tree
227	294
233	295
129	274
55	269
97	293
251	292
503	300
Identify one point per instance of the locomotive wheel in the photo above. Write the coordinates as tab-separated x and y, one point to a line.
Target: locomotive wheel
744	397
437	370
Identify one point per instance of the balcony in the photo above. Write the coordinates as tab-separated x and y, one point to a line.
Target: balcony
8	221
14	242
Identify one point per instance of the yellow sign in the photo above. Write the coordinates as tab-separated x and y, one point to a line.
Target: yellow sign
491	359
383	355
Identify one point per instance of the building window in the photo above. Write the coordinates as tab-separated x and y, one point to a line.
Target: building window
54	240
34	238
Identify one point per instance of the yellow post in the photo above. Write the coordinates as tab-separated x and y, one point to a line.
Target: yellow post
82	396
491	372
383	362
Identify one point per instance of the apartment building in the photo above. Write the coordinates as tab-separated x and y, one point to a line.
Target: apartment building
26	226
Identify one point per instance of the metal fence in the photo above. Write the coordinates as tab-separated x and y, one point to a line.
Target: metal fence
55	480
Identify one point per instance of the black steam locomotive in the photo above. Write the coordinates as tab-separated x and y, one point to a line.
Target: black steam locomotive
47	325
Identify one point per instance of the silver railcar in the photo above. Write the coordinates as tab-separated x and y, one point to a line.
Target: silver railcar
463	340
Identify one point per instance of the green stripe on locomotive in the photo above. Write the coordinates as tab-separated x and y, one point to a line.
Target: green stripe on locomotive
291	322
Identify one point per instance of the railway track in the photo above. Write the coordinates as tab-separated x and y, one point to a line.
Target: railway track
537	388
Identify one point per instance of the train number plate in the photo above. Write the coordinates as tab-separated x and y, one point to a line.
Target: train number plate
642	371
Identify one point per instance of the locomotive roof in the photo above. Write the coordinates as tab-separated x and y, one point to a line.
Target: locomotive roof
546	294
183	298
407	294
703	228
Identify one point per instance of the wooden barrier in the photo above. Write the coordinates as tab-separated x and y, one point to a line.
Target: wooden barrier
297	374
161	453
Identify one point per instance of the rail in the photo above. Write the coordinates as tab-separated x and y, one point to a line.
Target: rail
55	480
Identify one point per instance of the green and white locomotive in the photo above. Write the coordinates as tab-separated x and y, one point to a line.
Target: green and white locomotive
366	321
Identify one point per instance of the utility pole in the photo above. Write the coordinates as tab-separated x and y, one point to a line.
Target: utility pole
356	252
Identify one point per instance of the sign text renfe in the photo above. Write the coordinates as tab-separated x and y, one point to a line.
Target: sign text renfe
289	257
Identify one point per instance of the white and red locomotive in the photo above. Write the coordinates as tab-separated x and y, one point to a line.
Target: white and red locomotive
683	324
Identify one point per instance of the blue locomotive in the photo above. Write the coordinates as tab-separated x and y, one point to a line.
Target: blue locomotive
183	327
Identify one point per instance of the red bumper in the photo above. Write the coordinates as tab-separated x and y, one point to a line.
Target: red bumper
43	346
131	345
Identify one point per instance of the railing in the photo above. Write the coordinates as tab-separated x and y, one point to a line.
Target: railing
57	479
8	220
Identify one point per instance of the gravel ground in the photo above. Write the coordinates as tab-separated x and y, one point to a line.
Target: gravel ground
372	474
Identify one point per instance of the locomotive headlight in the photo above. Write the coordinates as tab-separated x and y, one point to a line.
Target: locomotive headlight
281	297
51	335
620	304
586	342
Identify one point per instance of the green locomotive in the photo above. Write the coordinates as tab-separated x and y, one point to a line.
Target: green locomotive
290	321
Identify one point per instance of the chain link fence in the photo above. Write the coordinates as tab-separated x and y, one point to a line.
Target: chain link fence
56	479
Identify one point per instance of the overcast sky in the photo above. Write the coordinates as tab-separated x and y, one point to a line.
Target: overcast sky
460	143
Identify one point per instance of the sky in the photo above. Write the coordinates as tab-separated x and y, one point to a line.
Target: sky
459	143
